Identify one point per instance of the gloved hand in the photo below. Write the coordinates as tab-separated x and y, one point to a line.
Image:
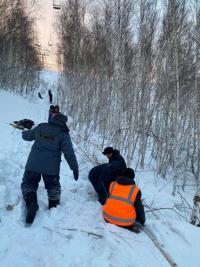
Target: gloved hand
76	174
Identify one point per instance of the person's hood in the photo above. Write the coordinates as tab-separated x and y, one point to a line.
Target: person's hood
53	128
122	180
115	152
59	124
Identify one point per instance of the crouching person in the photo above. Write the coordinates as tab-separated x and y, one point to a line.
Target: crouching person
102	176
124	206
44	159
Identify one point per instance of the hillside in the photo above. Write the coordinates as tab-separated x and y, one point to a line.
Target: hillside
75	233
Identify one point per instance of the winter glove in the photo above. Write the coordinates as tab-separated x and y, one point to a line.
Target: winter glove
76	173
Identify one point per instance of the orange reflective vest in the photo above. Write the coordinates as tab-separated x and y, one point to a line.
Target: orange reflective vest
119	208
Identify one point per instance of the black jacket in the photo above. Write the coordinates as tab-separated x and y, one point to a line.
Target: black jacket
139	208
117	157
104	174
51	139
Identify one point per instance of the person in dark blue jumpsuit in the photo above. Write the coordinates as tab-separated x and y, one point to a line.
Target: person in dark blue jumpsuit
102	176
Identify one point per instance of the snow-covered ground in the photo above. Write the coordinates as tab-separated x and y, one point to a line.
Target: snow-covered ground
50	240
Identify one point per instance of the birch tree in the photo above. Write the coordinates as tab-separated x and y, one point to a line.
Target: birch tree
195	210
177	88
136	88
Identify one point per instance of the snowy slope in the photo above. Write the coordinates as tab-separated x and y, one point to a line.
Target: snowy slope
49	240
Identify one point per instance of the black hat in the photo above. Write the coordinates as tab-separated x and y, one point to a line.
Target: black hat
60	117
128	172
56	106
52	107
108	150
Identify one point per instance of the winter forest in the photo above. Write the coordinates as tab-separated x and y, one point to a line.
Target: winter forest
136	64
127	70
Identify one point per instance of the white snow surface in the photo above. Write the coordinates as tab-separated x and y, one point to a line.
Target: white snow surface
49	240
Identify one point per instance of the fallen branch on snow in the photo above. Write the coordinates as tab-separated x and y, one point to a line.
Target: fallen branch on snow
73	230
6	179
157	209
86	232
57	232
167	257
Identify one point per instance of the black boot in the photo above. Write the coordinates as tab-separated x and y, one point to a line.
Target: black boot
53	203
32	205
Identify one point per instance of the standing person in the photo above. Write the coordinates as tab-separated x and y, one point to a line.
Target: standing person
114	155
51	112
44	159
56	109
102	176
50	97
124	206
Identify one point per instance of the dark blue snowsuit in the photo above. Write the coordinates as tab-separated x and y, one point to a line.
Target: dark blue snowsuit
51	139
101	177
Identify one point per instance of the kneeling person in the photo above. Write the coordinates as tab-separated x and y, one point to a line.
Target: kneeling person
124	206
102	176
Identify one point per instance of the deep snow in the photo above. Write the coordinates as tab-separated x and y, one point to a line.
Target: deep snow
49	242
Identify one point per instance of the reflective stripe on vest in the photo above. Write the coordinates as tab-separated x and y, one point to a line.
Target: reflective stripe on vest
118	219
128	201
112	188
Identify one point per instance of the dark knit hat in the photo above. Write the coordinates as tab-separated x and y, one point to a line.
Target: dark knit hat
108	150
128	172
56	106
60	117
52	107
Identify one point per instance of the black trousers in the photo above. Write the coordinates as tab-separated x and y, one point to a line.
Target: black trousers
30	182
